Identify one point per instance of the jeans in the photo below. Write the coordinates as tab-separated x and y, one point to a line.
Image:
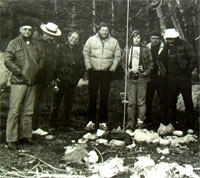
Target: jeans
66	90
99	81
159	85
136	94
19	121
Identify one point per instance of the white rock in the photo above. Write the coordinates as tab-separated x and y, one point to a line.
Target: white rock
114	142
178	133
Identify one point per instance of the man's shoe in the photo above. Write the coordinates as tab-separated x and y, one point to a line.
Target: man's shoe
39	132
12	145
29	141
90	126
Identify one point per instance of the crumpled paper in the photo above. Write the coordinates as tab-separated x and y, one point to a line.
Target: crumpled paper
109	168
143	135
145	167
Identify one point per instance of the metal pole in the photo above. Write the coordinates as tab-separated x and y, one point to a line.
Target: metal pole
125	88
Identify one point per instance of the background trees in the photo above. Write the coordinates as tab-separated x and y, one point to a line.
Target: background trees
84	15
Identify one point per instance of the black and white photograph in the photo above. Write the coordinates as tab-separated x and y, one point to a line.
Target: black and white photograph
99	88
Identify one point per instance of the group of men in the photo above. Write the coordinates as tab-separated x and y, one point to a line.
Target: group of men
35	63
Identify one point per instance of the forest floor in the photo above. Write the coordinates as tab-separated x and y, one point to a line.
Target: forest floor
45	159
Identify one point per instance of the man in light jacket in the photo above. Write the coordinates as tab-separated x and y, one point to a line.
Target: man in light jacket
102	55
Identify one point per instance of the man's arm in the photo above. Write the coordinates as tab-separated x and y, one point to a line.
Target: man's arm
190	53
117	57
86	54
10	60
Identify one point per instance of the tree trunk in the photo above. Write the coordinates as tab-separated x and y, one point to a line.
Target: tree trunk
161	19
172	10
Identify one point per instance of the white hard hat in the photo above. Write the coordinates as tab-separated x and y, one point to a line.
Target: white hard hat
171	33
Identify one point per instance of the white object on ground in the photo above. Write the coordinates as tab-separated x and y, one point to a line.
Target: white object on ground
49	137
89	136
163	151
178	133
114	142
90	126
109	168
100	132
102	141
91	158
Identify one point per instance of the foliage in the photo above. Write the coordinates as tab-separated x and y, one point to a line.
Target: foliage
70	14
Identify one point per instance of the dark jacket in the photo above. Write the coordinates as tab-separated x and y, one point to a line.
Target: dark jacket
184	58
145	61
70	67
48	63
23	61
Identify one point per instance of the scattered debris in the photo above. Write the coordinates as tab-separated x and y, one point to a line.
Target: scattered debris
109	168
143	135
165	130
75	153
145	167
49	137
164	151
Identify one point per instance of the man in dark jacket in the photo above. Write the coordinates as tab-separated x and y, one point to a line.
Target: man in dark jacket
22	59
47	73
70	69
158	80
181	61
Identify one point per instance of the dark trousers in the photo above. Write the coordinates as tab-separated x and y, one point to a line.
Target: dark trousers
99	81
67	91
39	101
159	85
175	87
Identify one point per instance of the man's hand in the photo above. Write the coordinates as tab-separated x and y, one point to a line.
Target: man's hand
112	69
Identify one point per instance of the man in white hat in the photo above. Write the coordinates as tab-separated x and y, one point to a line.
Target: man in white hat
180	60
47	72
23	55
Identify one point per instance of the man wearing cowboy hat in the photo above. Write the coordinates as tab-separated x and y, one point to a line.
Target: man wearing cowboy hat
179	57
22	59
47	72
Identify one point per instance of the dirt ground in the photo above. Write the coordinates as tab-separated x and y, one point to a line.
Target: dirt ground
47	155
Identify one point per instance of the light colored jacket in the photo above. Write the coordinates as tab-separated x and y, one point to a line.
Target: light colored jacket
99	56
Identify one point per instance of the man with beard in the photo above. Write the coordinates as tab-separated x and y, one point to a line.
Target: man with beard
47	73
102	55
22	59
158	80
181	60
70	68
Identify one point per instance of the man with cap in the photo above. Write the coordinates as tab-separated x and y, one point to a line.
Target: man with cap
47	70
22	59
158	80
139	65
180	61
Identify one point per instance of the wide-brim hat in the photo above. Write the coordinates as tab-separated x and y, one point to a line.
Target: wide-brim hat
51	28
171	33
